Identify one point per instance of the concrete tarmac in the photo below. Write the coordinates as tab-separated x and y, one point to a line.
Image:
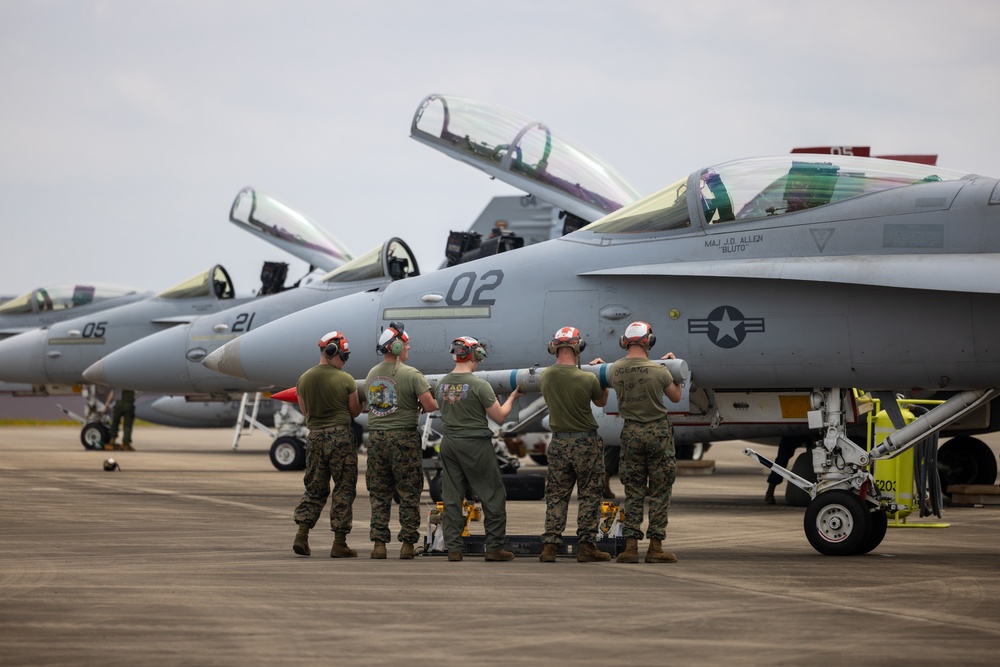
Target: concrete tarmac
184	558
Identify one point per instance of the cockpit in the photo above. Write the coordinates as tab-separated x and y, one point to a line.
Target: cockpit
767	187
392	259
213	282
62	297
522	152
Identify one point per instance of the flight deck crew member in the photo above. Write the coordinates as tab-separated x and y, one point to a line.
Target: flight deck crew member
467	455
396	394
123	413
649	460
576	452
328	397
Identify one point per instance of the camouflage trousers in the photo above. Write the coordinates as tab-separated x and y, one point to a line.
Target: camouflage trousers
580	462
330	455
394	465
648	467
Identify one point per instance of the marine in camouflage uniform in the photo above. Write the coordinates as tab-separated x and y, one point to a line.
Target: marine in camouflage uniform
396	393
575	453
648	459
328	397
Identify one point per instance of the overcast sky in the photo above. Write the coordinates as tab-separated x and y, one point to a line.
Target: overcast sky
127	128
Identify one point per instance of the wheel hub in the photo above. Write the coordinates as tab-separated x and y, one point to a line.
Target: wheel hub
835	523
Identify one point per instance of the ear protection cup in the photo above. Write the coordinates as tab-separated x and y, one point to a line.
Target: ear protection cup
334	343
395	343
637	333
567	337
467	348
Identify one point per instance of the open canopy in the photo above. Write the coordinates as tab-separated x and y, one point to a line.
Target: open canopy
522	152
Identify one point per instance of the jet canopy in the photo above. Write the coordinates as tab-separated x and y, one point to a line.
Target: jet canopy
522	152
291	231
765	187
392	259
62	297
214	281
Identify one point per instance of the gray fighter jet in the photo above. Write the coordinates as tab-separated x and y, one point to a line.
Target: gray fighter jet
816	273
44	306
57	356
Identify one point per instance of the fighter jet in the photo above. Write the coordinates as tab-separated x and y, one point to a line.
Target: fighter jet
59	354
169	362
816	273
47	305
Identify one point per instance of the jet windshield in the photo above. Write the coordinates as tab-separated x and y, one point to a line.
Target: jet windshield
62	297
764	187
392	259
286	228
214	281
500	142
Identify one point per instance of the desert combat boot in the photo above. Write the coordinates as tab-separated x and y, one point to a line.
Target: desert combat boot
301	543
631	553
379	550
589	553
548	554
340	548
406	551
656	554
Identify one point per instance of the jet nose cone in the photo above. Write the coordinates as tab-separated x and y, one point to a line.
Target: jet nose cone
227	360
95	373
155	363
22	357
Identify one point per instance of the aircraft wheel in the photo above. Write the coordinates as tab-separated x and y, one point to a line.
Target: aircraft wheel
524	486
694	451
540	459
94	435
837	523
876	532
288	453
435	487
966	460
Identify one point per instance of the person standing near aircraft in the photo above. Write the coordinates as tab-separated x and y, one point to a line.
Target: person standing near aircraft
396	395
123	413
467	455
576	452
649	460
328	397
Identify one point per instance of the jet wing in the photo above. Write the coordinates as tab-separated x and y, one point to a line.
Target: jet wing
978	273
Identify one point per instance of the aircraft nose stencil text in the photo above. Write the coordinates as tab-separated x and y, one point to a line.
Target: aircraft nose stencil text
726	326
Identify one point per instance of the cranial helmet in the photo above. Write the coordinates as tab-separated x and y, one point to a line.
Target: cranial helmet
567	337
467	348
335	343
111	465
393	340
638	333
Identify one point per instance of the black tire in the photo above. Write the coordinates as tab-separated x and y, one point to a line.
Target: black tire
94	435
540	459
837	523
966	460
803	467
524	486
694	451
876	532
288	453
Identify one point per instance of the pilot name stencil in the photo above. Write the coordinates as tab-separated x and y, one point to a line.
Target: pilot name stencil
726	326
734	243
